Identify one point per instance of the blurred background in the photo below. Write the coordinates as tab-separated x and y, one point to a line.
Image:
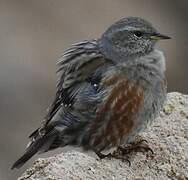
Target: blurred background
34	33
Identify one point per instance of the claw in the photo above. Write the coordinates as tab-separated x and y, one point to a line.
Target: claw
102	156
138	147
113	155
143	141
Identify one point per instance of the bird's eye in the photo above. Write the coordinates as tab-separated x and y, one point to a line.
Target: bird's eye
138	34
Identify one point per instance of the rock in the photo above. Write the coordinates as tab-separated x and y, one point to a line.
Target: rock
168	137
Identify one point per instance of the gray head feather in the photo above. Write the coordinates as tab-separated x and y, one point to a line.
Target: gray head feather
129	37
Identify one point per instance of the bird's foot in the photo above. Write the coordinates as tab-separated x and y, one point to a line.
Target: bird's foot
122	152
113	155
138	146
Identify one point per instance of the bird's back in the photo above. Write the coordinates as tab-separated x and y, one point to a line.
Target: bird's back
74	106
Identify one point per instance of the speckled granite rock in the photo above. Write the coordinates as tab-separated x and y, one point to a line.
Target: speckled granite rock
168	137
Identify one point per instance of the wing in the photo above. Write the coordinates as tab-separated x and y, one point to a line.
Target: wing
75	84
75	68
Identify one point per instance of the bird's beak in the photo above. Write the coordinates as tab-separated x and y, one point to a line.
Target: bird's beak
158	36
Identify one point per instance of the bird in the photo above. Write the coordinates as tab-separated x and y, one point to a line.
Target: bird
108	91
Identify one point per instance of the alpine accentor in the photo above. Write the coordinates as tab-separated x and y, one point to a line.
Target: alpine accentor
108	90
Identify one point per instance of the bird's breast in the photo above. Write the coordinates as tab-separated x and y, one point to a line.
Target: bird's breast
115	116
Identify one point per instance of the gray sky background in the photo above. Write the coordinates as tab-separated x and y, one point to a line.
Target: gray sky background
33	33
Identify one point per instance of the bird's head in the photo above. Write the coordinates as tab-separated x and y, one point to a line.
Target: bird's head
132	36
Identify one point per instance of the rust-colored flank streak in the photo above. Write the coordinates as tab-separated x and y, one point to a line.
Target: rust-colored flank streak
114	119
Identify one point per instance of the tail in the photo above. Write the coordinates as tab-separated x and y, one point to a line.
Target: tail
39	143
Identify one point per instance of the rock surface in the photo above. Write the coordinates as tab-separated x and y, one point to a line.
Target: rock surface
168	137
